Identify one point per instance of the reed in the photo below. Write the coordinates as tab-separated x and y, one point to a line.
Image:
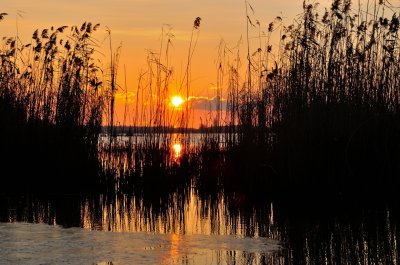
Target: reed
52	99
142	160
326	116
318	116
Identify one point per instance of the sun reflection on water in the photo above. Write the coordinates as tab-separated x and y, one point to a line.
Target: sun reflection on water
174	252
194	228
177	150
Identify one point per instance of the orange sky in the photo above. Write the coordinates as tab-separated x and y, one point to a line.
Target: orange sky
137	24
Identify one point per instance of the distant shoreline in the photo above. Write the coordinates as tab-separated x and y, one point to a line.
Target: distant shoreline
143	129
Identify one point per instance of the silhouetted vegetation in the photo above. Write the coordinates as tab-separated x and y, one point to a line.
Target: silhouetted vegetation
317	119
318	115
51	107
325	118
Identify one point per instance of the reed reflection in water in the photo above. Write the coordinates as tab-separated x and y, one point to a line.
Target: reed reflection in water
205	226
192	228
181	228
179	214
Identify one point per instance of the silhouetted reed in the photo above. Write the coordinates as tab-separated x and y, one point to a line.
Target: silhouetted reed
316	116
325	117
141	158
52	100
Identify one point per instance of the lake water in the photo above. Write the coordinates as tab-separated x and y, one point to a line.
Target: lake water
130	230
190	228
186	224
23	243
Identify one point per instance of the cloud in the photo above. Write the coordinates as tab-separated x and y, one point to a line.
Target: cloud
121	97
204	103
214	87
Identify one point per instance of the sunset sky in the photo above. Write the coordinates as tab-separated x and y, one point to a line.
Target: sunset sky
136	26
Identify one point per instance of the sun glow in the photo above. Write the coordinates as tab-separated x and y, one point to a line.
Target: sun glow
177	150
176	101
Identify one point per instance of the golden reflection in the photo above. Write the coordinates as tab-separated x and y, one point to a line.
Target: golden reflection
174	252
182	216
177	150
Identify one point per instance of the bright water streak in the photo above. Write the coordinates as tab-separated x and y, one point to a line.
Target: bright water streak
24	243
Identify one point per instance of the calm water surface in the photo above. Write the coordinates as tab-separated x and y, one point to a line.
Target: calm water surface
176	229
189	228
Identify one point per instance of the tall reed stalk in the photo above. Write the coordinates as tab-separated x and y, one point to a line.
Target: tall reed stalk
52	99
327	108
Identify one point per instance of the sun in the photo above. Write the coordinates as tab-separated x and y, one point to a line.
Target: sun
176	101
